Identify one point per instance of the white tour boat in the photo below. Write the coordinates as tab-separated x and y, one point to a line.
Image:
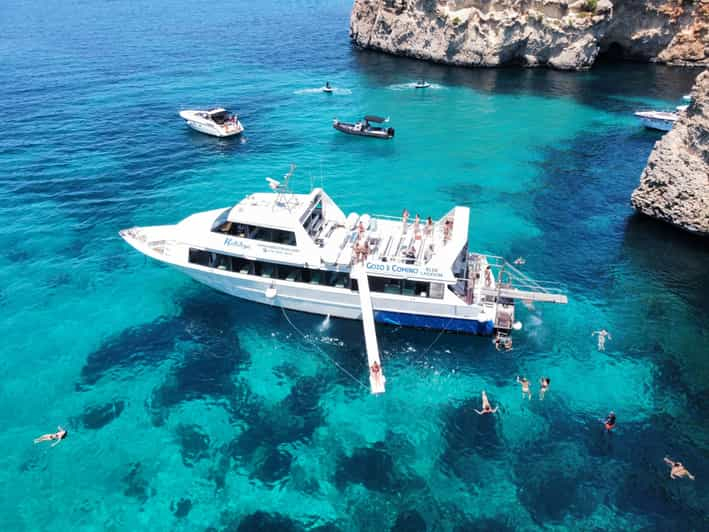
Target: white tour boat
217	122
660	120
301	252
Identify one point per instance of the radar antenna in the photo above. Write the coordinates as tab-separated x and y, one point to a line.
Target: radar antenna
284	195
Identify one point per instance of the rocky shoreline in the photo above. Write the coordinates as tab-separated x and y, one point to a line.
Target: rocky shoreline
561	34
674	186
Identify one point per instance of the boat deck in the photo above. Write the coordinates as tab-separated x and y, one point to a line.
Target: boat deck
389	240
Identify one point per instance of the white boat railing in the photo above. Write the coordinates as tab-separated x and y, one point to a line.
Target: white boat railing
511	283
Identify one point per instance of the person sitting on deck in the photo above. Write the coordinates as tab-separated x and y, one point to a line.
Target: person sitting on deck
57	437
678	470
488	277
428	230
447	226
357	252
365	251
405	219
487	409
410	255
525	387
417	227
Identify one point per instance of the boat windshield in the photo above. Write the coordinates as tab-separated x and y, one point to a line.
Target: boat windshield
220	117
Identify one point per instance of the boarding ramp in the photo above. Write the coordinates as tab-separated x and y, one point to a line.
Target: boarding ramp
376	379
510	283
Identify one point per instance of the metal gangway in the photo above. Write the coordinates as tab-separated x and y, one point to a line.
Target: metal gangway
510	283
376	372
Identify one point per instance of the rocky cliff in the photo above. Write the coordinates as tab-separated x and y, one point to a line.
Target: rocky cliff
675	184
558	33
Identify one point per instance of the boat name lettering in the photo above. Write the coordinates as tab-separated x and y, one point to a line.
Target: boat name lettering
228	241
401	269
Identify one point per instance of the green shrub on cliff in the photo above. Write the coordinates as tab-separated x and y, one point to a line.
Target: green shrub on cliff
590	6
456	21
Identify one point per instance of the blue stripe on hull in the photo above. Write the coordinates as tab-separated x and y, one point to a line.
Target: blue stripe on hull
483	328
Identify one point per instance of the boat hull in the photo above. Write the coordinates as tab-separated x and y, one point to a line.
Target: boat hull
344	303
349	129
654	122
215	131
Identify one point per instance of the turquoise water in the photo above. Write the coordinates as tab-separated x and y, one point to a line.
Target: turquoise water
190	410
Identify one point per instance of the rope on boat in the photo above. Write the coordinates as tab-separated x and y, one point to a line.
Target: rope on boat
438	336
312	342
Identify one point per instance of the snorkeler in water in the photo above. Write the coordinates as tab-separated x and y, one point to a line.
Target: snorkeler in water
544	383
525	387
609	422
487	409
602	335
57	437
678	470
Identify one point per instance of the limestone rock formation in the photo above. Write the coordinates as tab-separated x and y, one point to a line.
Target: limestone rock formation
675	184
665	31
564	34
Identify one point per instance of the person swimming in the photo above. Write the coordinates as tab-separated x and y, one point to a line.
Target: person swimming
525	387
487	409
678	470
57	437
609	422
602	335
544	382
502	343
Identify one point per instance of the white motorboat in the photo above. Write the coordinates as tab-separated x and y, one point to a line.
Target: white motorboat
327	88
422	84
217	122
659	120
687	97
301	252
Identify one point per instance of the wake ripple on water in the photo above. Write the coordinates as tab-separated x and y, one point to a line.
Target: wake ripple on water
412	85
319	90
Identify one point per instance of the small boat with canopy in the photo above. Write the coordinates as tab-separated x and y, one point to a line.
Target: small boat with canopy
217	122
422	84
364	127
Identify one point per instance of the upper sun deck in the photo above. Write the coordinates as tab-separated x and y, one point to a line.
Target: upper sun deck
272	209
311	229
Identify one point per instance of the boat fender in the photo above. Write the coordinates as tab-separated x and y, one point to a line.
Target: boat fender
271	292
517	325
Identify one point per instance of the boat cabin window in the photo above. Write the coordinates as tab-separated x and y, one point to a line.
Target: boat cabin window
253	232
269	270
199	256
405	287
436	290
387	285
314	221
461	262
220	117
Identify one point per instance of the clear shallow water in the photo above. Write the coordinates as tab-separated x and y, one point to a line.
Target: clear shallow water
175	393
